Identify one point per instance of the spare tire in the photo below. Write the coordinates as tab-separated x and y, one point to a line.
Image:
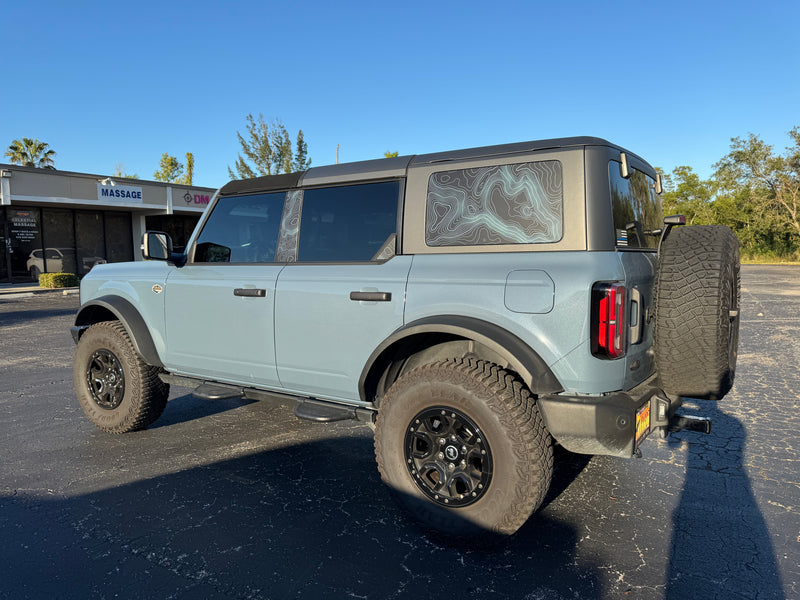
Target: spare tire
697	311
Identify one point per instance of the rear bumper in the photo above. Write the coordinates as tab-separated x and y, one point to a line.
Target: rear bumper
607	424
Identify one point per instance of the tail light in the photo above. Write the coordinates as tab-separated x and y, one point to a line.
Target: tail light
608	320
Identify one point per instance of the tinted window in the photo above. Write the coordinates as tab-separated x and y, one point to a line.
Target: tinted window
347	223
506	204
241	229
636	208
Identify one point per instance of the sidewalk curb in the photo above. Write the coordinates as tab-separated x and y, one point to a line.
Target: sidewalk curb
28	292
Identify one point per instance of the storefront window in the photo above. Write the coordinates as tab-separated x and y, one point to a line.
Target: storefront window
179	228
119	242
25	234
58	234
89	236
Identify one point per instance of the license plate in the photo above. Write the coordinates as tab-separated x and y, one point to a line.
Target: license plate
642	423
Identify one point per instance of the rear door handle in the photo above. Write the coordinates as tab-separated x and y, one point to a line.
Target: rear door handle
371	296
250	292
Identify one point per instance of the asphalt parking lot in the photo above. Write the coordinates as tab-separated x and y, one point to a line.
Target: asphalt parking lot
237	499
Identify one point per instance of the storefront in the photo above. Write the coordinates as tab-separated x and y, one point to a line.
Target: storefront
54	221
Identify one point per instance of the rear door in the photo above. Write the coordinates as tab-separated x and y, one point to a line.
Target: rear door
345	293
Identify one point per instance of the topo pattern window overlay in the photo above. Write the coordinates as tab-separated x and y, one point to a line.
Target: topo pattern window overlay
506	204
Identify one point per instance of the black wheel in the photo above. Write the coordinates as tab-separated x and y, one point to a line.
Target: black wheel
463	447
35	272
116	389
697	311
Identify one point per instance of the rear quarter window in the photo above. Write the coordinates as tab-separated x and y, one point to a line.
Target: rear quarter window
506	204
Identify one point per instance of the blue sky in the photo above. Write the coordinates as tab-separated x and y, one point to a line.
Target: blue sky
110	82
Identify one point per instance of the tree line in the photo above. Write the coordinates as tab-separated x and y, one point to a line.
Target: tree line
754	190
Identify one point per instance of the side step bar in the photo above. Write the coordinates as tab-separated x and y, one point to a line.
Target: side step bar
310	409
324	412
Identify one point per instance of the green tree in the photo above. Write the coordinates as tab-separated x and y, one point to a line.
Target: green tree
765	187
301	161
169	169
267	150
688	195
29	152
188	178
120	172
388	154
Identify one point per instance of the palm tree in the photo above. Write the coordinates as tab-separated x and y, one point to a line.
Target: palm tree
31	153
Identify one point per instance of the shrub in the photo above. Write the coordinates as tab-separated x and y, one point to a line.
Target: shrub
58	280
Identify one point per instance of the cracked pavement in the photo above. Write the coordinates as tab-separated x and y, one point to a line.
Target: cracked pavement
239	499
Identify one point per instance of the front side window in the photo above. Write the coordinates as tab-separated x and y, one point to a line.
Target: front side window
241	229
506	204
350	223
636	208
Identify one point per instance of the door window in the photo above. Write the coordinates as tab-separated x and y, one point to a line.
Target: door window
349	223
241	229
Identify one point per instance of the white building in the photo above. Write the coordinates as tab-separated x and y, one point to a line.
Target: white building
57	221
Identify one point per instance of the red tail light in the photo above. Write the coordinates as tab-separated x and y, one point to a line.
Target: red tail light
608	320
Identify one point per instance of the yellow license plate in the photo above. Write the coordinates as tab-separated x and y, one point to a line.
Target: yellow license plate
642	423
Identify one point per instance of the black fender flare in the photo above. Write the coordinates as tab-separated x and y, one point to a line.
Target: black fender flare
95	311
520	356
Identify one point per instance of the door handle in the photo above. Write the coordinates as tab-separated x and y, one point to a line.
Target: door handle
250	292
371	296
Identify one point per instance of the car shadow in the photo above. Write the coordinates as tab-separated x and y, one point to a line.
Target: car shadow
722	540
309	520
185	407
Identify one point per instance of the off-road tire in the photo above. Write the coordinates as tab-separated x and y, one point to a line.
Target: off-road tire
697	311
507	417
144	395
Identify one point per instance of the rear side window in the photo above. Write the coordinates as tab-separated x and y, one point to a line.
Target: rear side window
636	207
506	204
241	229
349	223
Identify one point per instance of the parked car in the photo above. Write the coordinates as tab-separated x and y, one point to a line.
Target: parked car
474	307
58	260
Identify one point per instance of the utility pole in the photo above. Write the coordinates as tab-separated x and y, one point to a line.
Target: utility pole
337	154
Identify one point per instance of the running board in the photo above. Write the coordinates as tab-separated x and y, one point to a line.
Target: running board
688	423
324	412
311	409
217	391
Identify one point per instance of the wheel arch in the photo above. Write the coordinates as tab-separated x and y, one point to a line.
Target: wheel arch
115	308
434	338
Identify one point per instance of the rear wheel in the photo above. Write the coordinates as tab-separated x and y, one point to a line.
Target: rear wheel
463	447
697	311
116	389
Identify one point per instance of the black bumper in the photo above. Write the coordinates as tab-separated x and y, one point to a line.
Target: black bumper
606	424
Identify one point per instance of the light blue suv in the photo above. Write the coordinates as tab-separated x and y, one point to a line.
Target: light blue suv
474	307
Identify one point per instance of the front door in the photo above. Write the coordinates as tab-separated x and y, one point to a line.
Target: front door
220	322
220	305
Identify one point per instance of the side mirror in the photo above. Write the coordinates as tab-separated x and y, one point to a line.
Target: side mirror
156	245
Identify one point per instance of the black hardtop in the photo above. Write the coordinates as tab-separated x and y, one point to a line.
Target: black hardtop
385	168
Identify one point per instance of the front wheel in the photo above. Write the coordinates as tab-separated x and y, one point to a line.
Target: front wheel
116	389
463	447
